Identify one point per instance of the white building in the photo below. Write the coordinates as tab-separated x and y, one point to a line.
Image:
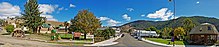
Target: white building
118	32
143	33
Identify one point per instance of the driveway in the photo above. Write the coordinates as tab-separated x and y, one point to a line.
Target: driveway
129	41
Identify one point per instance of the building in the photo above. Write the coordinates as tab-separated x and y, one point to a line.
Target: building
14	21
143	33
117	30
204	34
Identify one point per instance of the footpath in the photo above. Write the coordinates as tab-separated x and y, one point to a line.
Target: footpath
106	42
165	45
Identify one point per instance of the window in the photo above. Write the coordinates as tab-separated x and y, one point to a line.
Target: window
200	29
209	28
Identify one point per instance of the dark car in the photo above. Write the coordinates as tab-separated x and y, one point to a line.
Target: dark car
122	35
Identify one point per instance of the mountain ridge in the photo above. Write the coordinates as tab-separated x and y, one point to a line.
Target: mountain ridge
142	24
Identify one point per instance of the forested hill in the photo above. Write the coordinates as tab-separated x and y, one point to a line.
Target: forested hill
142	24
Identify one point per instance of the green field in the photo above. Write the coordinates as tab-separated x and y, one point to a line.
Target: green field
165	41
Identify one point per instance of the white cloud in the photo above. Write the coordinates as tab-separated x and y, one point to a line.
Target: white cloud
172	17
46	8
69	22
130	9
142	15
104	18
61	8
163	13
197	2
110	22
8	10
47	11
71	5
126	17
48	17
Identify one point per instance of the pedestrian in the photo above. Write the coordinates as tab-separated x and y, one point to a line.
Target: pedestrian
172	40
72	35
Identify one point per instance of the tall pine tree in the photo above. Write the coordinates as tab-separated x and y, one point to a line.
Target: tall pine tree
32	15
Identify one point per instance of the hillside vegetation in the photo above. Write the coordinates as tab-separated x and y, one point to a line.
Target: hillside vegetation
197	20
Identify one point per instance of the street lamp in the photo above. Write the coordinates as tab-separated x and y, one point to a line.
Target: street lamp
174	5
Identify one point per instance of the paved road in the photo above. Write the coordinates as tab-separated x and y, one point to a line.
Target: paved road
129	41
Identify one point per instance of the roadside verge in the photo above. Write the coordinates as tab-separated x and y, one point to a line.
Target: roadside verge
106	42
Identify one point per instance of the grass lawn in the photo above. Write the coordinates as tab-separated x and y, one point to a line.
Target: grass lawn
69	43
165	41
47	37
41	36
67	36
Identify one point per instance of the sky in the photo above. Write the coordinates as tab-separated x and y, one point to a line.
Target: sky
115	12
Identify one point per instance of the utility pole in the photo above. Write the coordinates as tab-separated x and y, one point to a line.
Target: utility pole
174	18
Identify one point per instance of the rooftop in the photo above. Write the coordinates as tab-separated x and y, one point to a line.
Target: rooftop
204	28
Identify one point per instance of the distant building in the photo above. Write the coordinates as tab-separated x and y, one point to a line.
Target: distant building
204	34
117	30
14	21
143	33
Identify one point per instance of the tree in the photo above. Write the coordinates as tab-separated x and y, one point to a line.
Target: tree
112	32
32	15
166	32
158	32
66	24
148	29
2	22
151	29
86	21
106	33
98	33
188	25
9	28
179	31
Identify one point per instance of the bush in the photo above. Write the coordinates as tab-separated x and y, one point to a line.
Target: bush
105	33
66	36
99	39
9	28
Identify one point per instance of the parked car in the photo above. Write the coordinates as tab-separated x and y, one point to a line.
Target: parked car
122	35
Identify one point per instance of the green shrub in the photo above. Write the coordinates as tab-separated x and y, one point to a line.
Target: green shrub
9	28
66	36
99	39
104	33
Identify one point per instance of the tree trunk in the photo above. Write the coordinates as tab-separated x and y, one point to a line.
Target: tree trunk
39	30
34	30
65	28
85	34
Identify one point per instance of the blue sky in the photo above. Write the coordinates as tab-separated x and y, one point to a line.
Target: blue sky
115	12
